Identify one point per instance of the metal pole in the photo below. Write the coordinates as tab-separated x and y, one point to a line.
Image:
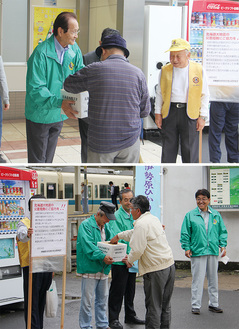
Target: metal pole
77	189
85	208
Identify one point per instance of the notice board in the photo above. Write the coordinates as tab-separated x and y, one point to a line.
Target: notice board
49	223
224	187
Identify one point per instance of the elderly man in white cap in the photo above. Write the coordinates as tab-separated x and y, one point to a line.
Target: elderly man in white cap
181	108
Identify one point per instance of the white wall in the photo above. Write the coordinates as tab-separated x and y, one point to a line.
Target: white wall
179	186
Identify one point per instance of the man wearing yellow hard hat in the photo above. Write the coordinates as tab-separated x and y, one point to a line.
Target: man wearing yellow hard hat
181	107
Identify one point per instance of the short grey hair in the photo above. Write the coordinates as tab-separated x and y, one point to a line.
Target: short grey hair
140	202
124	191
100	212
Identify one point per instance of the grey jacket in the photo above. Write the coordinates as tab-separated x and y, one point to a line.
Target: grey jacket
3	84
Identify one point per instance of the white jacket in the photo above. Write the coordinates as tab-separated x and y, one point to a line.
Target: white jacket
148	244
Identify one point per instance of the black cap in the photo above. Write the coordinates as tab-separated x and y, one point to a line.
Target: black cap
111	41
109	209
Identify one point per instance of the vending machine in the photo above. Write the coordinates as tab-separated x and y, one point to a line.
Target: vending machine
16	187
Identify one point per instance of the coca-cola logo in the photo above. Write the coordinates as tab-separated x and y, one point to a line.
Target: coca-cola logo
213	6
34	175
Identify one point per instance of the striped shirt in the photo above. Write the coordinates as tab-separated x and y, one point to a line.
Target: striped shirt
118	98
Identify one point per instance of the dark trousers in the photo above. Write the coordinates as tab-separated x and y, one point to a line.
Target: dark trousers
122	286
223	115
114	201
42	140
40	284
158	289
83	127
178	127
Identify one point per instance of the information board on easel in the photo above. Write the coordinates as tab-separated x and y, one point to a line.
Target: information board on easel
49	239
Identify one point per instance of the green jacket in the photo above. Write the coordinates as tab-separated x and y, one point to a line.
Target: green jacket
195	238
89	256
45	78
123	223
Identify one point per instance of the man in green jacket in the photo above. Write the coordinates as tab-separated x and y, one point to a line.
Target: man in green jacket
123	279
94	265
49	65
203	233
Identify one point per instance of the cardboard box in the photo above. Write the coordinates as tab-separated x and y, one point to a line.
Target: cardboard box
116	251
81	102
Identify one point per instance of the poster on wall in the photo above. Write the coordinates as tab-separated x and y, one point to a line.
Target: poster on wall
49	223
224	187
207	15
148	184
44	18
221	57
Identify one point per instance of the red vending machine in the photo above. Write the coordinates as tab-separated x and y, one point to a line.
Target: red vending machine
16	187
206	14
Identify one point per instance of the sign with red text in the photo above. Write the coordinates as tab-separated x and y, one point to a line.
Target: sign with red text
221	57
49	223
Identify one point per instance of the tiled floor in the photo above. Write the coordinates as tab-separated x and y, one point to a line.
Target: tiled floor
14	146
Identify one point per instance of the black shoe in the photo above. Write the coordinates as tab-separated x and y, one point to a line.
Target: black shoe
115	324
195	311
215	309
134	320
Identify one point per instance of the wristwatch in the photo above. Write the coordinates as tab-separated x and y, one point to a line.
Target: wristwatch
204	118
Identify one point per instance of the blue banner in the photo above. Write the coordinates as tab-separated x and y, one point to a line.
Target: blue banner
147	183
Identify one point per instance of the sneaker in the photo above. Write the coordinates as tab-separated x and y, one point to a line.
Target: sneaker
195	311
215	309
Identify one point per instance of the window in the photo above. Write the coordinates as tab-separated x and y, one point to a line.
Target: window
96	191
51	190
42	189
14	31
69	193
89	192
104	193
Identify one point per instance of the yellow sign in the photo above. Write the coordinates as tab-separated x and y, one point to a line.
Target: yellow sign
43	22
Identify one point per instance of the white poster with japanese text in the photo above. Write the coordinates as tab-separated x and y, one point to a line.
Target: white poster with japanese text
49	223
221	57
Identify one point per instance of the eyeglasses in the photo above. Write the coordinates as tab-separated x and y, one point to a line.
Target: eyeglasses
74	32
203	199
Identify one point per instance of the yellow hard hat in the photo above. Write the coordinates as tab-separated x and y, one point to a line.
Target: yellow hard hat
179	44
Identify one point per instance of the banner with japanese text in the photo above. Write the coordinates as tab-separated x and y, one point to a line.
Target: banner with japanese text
148	183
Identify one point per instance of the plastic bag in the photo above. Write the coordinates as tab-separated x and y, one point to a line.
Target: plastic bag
51	301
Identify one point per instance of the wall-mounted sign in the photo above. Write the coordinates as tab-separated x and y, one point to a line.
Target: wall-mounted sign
224	187
221	57
44	18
